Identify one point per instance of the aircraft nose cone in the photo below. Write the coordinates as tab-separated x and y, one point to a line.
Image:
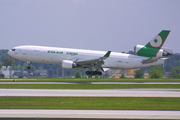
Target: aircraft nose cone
10	53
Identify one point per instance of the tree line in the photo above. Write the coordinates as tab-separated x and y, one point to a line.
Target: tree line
172	65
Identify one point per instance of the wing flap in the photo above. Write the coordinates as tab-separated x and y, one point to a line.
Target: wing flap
94	60
97	63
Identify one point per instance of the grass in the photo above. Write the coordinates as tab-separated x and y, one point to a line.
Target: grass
89	103
89	80
88	86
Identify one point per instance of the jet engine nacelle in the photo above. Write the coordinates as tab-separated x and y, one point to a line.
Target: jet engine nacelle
68	64
146	51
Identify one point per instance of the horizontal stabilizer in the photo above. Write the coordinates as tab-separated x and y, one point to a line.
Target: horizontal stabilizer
150	60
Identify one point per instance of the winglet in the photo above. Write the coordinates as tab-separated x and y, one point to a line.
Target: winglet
107	54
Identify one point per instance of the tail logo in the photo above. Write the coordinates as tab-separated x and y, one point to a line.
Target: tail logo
156	42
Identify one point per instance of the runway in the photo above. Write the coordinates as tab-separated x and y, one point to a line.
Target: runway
89	82
103	114
90	93
44	114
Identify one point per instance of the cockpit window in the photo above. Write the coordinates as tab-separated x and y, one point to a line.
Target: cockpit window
13	49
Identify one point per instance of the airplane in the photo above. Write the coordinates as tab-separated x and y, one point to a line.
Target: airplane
151	54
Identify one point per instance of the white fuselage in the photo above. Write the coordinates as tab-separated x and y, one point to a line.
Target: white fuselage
55	55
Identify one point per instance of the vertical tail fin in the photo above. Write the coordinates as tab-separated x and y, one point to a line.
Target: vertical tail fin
152	48
158	41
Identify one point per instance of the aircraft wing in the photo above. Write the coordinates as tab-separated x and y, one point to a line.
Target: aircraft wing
96	63
150	60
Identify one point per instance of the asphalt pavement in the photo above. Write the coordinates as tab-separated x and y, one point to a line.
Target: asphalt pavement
90	93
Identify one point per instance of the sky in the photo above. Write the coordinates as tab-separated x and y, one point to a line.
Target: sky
107	25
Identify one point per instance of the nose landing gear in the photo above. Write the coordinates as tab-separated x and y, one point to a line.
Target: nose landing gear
29	67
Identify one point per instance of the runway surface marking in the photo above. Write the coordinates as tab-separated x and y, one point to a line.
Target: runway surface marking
89	82
91	93
128	114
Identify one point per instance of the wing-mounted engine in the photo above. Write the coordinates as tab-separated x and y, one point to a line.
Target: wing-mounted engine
91	63
69	64
142	50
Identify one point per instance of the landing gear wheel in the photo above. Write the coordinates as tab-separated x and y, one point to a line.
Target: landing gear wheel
93	73
28	67
88	72
99	73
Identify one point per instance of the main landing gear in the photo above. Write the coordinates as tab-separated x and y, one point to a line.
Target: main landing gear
93	73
